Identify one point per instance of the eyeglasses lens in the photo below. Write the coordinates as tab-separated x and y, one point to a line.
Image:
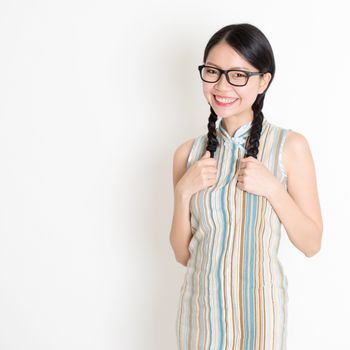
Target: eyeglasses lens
212	75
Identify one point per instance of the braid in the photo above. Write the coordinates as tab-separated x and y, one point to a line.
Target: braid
255	131
212	140
252	45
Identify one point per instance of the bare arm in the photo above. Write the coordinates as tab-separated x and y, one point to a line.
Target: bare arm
298	208
180	234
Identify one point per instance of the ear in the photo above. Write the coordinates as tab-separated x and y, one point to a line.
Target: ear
264	82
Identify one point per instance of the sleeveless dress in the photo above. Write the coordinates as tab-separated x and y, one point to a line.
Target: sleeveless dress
234	295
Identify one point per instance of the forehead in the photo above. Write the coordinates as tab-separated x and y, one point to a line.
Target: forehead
224	56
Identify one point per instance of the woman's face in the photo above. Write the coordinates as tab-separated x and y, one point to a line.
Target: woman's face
225	57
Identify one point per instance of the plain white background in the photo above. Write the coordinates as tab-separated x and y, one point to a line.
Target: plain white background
95	98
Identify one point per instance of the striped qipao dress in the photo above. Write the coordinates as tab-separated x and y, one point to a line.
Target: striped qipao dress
234	294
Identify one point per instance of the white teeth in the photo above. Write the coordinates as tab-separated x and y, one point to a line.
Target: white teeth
225	100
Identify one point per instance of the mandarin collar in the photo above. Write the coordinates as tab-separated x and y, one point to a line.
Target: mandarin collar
240	136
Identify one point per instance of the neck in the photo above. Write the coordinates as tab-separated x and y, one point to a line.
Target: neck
231	124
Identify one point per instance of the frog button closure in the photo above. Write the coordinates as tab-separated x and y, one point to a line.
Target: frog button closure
237	142
240	136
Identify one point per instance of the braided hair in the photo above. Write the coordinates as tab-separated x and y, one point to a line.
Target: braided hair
253	45
212	139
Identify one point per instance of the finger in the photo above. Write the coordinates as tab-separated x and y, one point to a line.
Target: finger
247	159
212	170
252	159
211	178
209	161
206	155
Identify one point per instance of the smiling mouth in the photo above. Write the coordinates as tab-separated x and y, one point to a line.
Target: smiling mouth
224	100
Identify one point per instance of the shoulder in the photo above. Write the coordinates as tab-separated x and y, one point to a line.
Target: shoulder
294	142
186	153
180	157
296	150
183	150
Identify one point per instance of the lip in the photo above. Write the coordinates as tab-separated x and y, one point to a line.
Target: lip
222	104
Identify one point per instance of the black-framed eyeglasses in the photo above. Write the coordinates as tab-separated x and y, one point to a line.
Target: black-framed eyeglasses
235	77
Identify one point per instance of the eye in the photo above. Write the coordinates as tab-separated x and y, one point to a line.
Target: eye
211	71
239	75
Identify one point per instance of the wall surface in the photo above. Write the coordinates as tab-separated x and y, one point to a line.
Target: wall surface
95	96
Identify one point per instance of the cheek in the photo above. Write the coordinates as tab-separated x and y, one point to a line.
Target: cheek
207	91
248	95
206	88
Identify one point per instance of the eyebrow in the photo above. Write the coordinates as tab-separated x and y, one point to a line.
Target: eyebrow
213	64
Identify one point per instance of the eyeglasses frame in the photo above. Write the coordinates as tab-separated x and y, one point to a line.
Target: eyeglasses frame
226	71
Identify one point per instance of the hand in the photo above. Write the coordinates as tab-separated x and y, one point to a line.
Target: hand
255	177
202	174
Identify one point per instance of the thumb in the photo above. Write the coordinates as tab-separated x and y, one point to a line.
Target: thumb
206	155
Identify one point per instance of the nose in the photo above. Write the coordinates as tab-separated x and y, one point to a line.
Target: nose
222	83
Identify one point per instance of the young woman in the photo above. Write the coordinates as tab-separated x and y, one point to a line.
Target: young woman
231	196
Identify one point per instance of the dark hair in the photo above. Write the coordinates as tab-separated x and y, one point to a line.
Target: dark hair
252	44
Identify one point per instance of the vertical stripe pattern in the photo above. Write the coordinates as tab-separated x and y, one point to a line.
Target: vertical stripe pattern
234	294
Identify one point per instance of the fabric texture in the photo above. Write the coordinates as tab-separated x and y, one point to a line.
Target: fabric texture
235	293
